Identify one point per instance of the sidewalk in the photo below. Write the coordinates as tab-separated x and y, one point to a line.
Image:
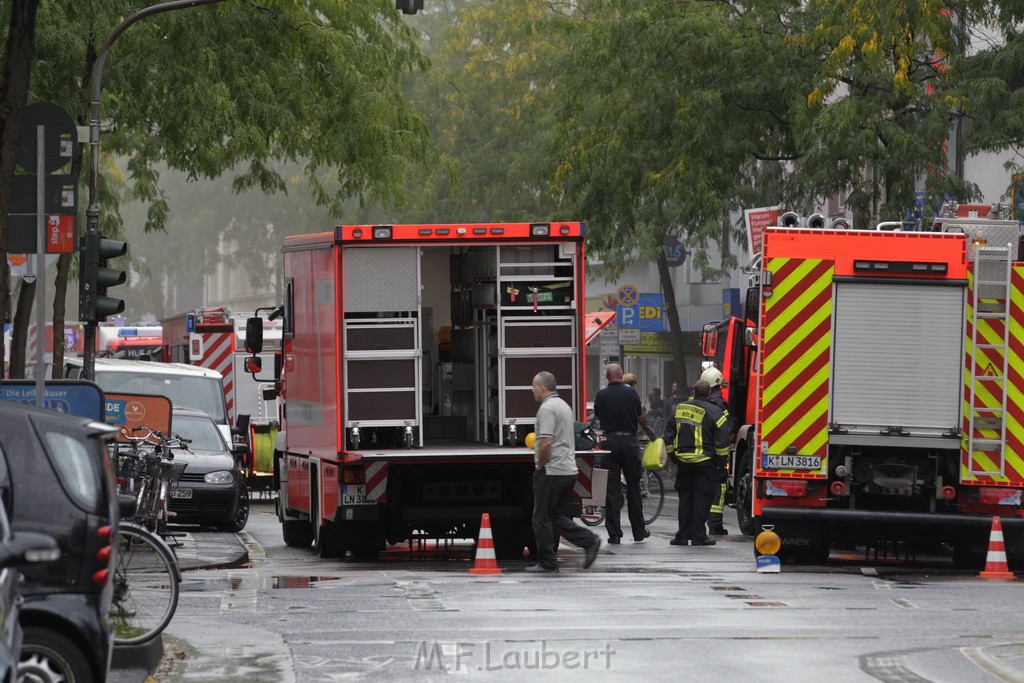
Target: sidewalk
195	550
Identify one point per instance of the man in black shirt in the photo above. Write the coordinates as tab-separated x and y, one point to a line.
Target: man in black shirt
618	408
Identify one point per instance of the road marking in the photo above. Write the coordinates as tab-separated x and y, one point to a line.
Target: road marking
989	663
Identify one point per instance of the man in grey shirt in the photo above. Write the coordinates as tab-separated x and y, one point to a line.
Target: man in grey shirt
554	457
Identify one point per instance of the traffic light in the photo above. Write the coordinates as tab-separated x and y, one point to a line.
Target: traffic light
95	277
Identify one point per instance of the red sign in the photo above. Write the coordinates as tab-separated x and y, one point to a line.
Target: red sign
756	221
138	410
60	234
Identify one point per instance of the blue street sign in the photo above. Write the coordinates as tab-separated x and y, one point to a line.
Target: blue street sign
73	396
647	315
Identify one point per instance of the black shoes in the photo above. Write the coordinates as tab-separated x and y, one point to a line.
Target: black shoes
541	569
718	531
647	534
614	540
591	553
705	541
678	541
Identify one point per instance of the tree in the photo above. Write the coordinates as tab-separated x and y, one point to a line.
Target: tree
230	88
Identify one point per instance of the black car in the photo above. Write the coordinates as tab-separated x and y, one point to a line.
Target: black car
56	478
212	489
16	550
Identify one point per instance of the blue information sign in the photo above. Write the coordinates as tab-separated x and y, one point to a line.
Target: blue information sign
647	315
73	396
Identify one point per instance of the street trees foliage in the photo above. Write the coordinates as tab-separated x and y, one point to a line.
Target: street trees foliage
237	86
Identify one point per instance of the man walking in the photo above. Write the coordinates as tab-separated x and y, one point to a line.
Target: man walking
554	456
700	440
618	408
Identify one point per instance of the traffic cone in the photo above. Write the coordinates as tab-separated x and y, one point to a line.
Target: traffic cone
995	562
486	562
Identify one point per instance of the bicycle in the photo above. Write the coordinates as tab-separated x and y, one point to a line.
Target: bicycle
145	584
652	499
149	474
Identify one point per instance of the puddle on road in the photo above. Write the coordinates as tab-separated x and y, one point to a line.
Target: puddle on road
266	583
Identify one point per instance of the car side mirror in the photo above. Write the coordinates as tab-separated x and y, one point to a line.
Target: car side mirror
253	365
254	335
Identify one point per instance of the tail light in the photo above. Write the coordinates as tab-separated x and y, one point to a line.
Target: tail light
354	476
785	488
838	488
991	495
104	532
101	576
103	555
948	493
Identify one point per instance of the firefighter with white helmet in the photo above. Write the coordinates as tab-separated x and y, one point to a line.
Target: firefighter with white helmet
713	376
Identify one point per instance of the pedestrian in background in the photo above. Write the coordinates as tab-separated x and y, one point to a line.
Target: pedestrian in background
716	517
554	457
700	443
618	408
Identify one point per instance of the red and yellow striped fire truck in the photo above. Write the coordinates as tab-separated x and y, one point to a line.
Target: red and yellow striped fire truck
409	353
879	380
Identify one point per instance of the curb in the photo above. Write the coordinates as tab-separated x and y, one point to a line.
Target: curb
146	656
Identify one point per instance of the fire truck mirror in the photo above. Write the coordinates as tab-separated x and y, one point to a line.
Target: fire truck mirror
709	341
253	365
254	335
749	337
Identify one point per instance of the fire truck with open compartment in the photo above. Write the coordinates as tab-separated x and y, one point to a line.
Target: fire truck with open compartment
409	353
878	376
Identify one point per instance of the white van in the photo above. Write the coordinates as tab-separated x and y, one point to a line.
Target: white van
187	386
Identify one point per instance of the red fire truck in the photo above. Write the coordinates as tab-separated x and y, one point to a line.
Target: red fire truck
878	376
213	338
409	355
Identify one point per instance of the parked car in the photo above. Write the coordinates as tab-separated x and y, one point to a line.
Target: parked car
16	550
57	479
212	489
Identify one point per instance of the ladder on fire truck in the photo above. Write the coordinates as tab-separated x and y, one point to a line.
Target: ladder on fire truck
992	273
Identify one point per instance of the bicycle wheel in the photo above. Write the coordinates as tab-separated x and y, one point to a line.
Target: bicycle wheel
593	515
654	496
145	586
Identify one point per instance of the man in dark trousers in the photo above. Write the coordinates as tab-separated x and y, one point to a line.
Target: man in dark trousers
618	408
554	473
700	443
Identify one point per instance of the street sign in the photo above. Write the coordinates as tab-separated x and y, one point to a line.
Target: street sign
21	228
629	335
59	197
609	343
60	139
627	295
647	315
73	396
138	410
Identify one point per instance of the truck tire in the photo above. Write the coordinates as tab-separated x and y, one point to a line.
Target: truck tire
297	533
748	523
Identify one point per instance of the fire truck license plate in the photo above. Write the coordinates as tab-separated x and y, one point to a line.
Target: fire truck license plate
354	494
181	493
794	462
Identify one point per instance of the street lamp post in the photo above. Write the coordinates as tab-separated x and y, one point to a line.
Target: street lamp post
92	213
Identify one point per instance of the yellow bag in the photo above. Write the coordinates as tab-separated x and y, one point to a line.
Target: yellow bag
655	455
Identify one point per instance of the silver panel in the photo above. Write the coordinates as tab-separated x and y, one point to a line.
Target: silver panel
988	232
897	356
381	279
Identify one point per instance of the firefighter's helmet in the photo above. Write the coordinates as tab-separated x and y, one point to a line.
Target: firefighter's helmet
713	376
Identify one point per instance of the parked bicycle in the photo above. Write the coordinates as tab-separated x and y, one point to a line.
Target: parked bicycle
146	469
652	499
146	576
145	585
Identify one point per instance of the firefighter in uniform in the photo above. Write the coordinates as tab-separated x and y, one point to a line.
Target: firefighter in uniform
713	376
700	444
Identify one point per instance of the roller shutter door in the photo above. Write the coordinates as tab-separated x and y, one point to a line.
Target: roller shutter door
897	357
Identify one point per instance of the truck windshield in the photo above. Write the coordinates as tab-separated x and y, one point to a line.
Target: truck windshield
200	393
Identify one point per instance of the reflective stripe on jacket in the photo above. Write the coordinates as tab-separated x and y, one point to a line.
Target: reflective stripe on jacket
699	432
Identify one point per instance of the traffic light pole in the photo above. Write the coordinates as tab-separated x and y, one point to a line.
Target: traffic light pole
92	213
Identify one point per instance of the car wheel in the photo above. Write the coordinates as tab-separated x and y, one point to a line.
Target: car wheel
241	514
49	657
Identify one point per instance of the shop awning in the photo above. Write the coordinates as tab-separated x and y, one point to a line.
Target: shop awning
595	322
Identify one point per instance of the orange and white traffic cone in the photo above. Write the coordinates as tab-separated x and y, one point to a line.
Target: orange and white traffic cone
486	562
995	562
